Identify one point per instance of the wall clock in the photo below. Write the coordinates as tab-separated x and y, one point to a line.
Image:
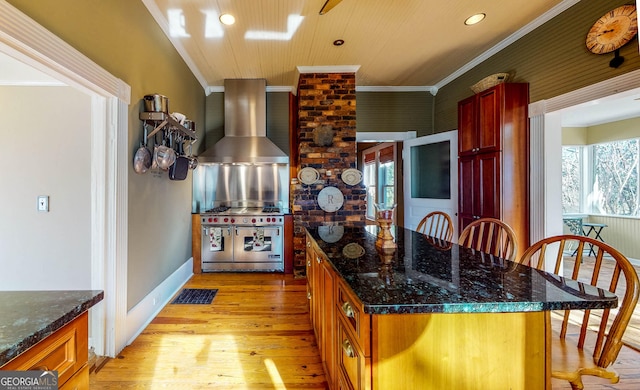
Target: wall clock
613	30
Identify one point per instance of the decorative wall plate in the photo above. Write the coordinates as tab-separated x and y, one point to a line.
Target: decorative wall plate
330	199
308	175
353	250
351	176
330	233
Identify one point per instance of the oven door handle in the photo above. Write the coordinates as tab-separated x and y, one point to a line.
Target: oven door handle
206	230
253	228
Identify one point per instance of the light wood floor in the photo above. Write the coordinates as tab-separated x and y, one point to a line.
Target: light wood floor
256	334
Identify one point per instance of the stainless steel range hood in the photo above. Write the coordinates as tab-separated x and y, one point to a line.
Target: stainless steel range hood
245	127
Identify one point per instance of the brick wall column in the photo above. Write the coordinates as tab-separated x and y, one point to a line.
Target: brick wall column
326	103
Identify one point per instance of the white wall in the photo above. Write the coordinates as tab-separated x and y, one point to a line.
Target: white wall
45	138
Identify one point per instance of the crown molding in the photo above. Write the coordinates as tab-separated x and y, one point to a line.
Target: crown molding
542	19
154	10
24	39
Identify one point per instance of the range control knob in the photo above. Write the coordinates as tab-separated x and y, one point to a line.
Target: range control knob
214	220
210	219
253	220
233	220
226	219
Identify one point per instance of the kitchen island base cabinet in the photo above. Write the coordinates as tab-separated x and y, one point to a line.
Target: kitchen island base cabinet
320	291
459	351
65	351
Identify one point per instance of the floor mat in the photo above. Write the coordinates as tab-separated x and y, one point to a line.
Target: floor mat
196	296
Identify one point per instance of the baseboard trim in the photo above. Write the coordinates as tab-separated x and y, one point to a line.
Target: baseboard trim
141	314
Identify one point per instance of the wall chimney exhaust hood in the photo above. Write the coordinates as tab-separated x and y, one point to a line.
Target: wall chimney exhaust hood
245	127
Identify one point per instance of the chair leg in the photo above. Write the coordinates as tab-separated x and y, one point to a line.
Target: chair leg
577	384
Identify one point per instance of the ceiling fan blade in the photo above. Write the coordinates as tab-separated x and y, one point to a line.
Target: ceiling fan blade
328	5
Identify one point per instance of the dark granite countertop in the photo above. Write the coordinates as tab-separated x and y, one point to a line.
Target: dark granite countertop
27	317
422	277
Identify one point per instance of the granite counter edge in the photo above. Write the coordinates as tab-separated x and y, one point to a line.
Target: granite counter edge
28	342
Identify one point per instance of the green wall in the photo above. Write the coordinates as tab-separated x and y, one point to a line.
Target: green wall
553	59
122	37
394	111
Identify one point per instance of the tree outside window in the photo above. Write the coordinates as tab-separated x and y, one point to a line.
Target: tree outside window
610	185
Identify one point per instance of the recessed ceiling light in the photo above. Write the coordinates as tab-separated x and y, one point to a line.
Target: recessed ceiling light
227	19
338	42
473	19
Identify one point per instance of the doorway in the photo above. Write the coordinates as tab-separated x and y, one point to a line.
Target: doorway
611	100
31	44
373	140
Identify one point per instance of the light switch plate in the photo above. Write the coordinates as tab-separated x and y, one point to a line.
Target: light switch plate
43	203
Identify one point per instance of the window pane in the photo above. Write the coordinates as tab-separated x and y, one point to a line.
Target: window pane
371	199
386	184
615	178
571	179
430	171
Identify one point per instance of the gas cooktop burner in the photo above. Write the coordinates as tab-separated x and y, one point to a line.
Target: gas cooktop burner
270	209
218	209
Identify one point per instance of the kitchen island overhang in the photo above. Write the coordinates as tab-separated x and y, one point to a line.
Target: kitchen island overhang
424	278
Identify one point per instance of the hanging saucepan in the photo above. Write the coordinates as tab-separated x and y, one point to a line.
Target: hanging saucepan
165	156
193	160
156	103
142	158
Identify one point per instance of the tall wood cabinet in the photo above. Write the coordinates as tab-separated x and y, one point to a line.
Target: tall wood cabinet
493	158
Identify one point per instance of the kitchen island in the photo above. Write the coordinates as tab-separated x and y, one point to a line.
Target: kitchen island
47	330
432	315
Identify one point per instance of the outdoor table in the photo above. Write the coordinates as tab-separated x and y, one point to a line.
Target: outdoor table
596	228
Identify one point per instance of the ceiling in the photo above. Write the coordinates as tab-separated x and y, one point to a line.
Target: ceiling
374	49
402	43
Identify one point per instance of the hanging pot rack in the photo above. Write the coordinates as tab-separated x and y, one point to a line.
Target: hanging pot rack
161	120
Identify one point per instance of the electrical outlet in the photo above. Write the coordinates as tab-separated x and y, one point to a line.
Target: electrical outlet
43	203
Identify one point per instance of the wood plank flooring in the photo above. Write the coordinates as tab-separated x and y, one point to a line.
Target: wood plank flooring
256	334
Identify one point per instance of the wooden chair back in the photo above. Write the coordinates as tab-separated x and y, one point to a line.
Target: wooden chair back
492	236
437	225
569	361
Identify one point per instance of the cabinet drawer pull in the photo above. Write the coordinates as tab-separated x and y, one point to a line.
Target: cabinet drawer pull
308	263
309	244
309	295
348	310
318	259
347	348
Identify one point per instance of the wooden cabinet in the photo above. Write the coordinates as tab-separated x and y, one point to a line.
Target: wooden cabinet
65	351
353	341
479	122
321	292
479	178
493	158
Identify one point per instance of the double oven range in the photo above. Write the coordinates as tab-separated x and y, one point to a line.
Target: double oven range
242	239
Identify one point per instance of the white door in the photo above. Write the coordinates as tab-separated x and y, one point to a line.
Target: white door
431	178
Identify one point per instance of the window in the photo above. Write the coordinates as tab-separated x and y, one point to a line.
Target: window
572	179
602	178
379	176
